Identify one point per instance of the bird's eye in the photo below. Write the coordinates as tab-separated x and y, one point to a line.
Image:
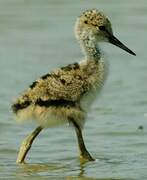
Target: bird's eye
102	28
86	22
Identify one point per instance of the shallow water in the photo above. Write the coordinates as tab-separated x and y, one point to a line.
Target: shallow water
36	36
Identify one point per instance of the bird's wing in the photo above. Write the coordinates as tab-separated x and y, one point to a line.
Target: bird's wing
66	84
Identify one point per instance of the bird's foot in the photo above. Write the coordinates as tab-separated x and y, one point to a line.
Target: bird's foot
18	161
86	157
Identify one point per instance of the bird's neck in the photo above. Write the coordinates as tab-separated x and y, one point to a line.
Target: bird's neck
91	49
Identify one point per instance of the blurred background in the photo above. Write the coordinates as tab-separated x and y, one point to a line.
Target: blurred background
37	36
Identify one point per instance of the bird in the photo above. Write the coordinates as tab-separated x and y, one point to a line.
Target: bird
65	94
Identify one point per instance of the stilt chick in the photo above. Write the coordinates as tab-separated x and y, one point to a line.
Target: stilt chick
64	95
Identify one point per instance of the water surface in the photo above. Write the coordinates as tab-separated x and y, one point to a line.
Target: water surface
37	36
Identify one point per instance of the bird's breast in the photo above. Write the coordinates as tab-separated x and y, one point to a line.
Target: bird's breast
96	76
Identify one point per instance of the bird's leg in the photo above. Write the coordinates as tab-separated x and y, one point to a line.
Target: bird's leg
84	154
26	144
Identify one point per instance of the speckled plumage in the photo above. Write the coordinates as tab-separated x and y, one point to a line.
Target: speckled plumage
63	89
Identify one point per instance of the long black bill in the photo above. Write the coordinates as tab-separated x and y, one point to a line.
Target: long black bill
116	42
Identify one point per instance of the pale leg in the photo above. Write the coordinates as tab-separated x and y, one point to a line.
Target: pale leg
84	154
26	145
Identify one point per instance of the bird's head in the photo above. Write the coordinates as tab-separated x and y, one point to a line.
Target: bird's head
95	26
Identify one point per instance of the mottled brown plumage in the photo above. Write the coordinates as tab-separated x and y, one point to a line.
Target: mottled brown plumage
69	84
